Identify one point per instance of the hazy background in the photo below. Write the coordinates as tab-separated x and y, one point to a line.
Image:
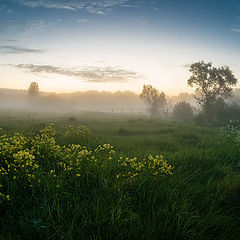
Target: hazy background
116	102
113	102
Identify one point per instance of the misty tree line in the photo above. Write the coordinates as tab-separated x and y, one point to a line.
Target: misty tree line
212	87
159	106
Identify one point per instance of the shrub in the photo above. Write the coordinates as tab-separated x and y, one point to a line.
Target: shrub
221	114
183	111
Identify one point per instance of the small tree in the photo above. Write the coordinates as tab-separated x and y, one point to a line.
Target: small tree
183	111
33	89
153	98
212	85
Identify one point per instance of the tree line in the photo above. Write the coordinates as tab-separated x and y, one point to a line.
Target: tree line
212	87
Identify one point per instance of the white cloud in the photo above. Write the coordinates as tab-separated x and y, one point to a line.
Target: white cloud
69	8
235	30
97	7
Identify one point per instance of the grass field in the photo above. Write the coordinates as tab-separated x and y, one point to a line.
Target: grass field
160	180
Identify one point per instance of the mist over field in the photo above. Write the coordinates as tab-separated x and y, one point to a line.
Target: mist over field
118	102
119	119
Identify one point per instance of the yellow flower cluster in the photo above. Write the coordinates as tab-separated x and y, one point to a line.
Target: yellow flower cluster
4	196
44	145
73	158
70	131
19	158
77	158
105	148
11	145
24	159
151	165
17	163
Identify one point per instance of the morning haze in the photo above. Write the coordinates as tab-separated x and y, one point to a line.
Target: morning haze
119	119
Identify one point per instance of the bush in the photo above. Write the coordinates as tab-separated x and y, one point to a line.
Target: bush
183	111
221	114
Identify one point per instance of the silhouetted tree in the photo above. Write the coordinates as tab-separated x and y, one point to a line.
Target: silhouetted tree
33	89
212	85
153	98
183	111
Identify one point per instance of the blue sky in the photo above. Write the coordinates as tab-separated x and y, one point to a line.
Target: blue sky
69	45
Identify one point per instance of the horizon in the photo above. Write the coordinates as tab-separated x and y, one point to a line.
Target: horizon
93	90
110	45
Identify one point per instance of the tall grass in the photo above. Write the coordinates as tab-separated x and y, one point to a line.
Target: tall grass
200	200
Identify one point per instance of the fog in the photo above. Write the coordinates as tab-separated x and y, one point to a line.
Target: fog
92	101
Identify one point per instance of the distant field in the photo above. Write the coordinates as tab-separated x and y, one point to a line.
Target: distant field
96	193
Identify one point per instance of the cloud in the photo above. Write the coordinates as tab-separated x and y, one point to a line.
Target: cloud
69	8
24	26
5	10
18	50
92	6
83	20
13	40
10	40
235	30
89	74
140	20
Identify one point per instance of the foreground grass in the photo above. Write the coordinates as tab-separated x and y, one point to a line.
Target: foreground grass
200	200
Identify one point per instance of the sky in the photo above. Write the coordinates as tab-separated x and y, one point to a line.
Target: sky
111	45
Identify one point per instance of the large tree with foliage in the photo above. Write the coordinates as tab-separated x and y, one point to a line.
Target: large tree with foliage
212	85
153	98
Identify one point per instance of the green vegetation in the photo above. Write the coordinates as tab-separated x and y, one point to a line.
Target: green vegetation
153	98
117	177
212	85
183	111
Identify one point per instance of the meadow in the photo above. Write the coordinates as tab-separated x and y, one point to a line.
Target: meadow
110	176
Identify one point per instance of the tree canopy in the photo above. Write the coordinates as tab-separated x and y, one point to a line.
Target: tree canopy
33	89
153	98
212	84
